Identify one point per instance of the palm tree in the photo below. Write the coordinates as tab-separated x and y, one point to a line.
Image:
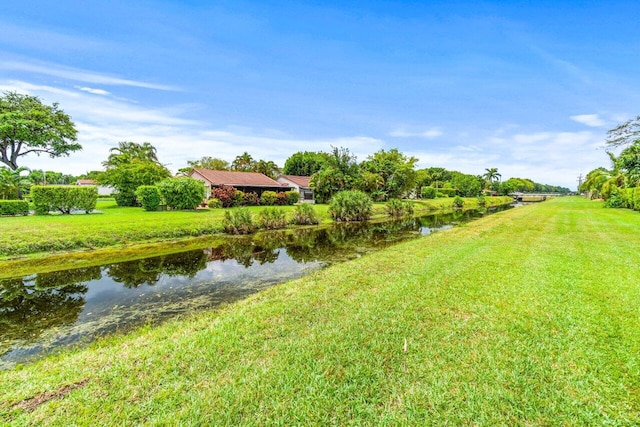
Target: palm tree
12	183
126	152
491	175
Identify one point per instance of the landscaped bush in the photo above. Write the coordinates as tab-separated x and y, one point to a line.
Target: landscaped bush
226	195
181	193
251	199
440	195
149	197
428	193
238	221
63	198
272	218
616	198
304	214
482	201
126	198
268	198
448	192
398	208
351	205
458	202
293	197
636	198
238	198
14	207
214	203
281	199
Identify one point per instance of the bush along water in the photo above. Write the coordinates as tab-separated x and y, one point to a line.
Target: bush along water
351	205
399	208
238	221
272	218
304	214
148	197
458	203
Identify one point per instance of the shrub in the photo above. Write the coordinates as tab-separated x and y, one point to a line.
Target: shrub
293	197
238	221
14	207
440	195
398	208
281	199
181	193
272	218
126	198
149	197
268	198
428	193
304	214
448	192
636	198
351	205
214	203
226	195
63	198
238	198
482	201
251	199
458	202
616	198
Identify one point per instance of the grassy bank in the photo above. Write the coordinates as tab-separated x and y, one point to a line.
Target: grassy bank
526	317
118	227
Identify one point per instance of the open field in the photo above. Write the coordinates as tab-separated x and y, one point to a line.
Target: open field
117	227
526	317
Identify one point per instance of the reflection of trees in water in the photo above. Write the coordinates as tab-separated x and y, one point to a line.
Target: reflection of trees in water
147	271
30	306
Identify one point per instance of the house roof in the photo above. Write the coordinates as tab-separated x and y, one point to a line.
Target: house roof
300	181
85	182
237	179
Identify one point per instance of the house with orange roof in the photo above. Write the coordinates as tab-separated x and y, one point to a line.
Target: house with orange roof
248	182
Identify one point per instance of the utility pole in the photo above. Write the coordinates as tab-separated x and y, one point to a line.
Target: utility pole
579	182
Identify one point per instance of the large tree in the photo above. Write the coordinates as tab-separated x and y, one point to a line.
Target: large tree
129	166
305	163
28	126
625	133
207	162
396	171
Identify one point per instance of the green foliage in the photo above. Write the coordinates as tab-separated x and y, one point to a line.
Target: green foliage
63	199
182	193
251	199
268	198
214	203
14	207
238	198
628	162
272	218
399	208
428	193
128	152
226	194
482	201
304	163
466	185
28	126
127	177
149	197
351	205
281	199
395	170
340	172
446	192
616	198
304	214
458	202
635	198
293	197
207	162
12	183
238	221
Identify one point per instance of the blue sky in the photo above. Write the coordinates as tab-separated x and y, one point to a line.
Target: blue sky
528	87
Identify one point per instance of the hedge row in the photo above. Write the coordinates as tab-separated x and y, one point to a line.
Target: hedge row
228	196
624	198
64	199
14	207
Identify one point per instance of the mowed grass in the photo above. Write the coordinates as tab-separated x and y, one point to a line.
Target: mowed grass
114	226
526	317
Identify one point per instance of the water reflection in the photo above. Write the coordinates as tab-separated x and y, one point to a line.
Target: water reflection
49	310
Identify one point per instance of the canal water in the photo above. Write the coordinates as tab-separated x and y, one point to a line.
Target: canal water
43	312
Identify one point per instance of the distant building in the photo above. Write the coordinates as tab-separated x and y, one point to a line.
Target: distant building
300	184
248	182
103	190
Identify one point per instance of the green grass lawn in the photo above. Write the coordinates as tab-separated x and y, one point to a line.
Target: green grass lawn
114	226
527	317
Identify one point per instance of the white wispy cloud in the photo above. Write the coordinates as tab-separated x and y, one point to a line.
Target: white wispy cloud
78	75
429	133
93	91
592	120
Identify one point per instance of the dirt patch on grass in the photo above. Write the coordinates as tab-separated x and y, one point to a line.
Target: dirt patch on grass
32	403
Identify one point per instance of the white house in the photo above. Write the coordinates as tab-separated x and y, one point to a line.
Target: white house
300	184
